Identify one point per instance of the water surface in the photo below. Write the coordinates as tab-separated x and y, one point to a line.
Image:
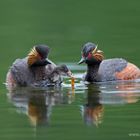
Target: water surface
100	110
97	111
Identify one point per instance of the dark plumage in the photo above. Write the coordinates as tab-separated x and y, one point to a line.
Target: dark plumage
55	77
43	50
38	56
99	70
34	68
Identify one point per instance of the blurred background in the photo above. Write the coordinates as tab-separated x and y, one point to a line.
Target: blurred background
65	25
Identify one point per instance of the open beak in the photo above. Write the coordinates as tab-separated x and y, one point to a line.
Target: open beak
82	60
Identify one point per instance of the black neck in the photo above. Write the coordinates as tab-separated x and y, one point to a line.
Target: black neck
92	73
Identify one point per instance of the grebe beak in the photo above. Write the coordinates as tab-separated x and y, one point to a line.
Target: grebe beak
81	61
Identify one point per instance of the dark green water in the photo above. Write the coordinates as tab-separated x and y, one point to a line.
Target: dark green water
103	111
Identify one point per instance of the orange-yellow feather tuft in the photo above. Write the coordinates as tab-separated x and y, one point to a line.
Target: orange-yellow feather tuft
33	56
98	55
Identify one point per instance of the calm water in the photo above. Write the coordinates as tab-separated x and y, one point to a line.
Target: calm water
101	111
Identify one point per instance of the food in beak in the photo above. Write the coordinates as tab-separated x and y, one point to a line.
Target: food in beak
72	82
69	73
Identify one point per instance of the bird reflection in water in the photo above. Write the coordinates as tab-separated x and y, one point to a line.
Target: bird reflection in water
130	92
39	109
37	103
120	93
92	111
110	93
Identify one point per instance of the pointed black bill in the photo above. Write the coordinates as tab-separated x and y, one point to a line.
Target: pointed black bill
81	61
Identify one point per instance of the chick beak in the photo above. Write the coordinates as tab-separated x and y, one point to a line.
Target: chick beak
69	73
81	61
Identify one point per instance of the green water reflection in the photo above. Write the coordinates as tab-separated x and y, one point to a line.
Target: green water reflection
91	111
102	111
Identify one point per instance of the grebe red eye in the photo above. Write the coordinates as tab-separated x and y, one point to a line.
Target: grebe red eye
89	56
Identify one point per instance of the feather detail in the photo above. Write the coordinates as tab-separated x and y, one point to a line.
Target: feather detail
130	72
33	56
98	55
95	50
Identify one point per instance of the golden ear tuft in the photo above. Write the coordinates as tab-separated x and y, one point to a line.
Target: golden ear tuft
99	55
33	56
95	50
